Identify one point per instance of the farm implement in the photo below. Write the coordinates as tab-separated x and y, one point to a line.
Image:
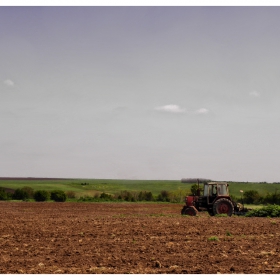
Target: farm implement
215	200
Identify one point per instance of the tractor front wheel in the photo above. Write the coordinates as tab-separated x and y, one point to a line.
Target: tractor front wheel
223	206
190	211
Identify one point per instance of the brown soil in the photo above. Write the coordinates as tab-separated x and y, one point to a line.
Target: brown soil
132	238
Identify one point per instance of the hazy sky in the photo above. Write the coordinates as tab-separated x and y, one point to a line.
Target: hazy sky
140	92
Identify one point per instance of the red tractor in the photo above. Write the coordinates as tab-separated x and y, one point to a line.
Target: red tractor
215	199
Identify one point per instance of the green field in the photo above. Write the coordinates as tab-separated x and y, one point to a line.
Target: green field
91	186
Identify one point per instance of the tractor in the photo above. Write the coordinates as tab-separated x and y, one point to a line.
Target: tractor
215	200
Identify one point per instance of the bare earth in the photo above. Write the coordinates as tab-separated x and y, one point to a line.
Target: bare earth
109	238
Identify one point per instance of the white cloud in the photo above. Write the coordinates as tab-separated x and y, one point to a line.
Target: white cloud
170	109
9	83
254	94
202	111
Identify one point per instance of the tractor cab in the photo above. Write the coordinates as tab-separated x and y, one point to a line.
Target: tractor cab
216	188
213	190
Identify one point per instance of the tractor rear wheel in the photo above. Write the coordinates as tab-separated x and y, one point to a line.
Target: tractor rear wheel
190	211
223	206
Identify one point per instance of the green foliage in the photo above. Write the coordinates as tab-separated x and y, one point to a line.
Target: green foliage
177	196
164	196
19	194
106	196
83	187
70	194
23	193
194	189
149	196
87	198
97	198
221	215
134	196
58	196
271	198
266	211
126	196
3	194
41	195
29	191
141	196
213	238
251	197
139	189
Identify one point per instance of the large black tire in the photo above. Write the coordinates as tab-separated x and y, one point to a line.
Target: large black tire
190	211
183	210
223	206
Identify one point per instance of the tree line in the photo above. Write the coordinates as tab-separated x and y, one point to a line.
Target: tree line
177	196
254	197
27	193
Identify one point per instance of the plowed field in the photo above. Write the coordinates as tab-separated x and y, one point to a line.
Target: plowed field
108	238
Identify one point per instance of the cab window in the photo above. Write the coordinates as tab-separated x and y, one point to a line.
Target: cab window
223	190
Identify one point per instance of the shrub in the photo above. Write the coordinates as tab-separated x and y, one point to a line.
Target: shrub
58	196
194	189
163	196
141	196
177	196
149	196
128	196
70	194
251	197
96	198
213	238
3	194
266	211
29	191
41	195
272	198
20	194
86	198
105	196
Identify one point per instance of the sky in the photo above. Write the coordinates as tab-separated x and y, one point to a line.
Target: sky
146	92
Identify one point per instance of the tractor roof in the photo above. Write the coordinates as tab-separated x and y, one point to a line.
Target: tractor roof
215	183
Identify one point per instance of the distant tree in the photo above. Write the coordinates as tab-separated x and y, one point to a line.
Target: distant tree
149	196
3	194
251	197
194	189
177	196
20	194
41	195
272	198
70	194
29	191
106	196
127	196
141	196
58	196
164	196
